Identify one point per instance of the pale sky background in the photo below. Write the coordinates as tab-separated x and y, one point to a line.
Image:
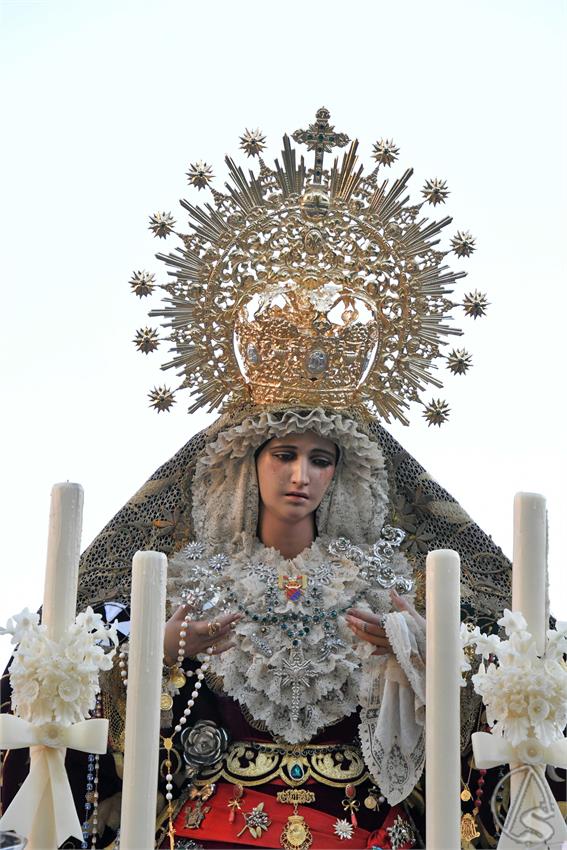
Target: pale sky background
105	104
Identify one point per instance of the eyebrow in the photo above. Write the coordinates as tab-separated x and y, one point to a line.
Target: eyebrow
329	454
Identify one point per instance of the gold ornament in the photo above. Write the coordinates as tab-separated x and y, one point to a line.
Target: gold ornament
252	142
385	152
161	398
146	340
142	283
165	702
308	287
468	827
463	244
200	174
436	412
435	191
475	304
177	677
296	834
459	361
162	224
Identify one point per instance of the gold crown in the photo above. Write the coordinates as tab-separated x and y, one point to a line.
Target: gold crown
310	287
306	345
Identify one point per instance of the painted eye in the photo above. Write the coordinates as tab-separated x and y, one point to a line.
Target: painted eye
321	461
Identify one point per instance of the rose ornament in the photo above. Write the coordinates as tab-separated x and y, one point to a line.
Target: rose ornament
204	744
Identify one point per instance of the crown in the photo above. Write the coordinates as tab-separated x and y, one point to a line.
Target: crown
310	342
314	287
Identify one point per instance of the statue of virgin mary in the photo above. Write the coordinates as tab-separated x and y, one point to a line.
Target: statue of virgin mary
306	304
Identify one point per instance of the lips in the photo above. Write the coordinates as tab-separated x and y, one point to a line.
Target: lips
298	495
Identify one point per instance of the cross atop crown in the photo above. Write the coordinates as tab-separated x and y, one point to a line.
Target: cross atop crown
321	138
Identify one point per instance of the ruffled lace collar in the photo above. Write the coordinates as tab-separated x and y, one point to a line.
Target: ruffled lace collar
296	666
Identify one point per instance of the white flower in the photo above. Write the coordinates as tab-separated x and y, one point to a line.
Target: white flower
487	645
517	704
469	635
343	829
561	716
58	681
538	709
19	624
89	620
69	690
546	731
516	729
513	621
28	690
530	751
525	695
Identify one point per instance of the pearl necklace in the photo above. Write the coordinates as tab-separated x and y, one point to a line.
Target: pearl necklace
167	742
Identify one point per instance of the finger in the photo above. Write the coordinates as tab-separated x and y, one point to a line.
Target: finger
403	604
210	640
222	647
367	616
201	627
370	638
180	613
381	651
365	626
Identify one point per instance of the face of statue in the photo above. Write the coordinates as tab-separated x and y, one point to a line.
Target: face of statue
293	474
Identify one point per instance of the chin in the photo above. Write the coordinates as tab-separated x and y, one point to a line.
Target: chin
294	513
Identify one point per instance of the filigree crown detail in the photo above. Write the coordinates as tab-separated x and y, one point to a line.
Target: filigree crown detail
321	286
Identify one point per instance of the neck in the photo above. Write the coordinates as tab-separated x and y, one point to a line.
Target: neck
288	538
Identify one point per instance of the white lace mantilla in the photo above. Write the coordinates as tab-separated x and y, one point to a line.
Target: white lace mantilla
297	666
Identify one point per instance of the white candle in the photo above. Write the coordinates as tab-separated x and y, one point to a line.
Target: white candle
141	747
63	551
58	611
529	571
529	579
442	681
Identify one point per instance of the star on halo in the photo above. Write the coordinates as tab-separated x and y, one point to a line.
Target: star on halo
463	243
200	174
343	829
459	361
475	304
142	283
146	340
435	191
385	151
162	224
436	412
252	142
161	398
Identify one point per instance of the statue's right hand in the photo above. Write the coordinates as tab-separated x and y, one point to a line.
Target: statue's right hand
199	635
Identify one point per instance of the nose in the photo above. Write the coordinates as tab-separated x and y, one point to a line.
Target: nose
300	472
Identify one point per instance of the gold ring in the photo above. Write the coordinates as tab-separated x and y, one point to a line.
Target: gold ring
213	629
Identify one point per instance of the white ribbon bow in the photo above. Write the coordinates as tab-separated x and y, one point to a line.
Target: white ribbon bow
534	817
45	802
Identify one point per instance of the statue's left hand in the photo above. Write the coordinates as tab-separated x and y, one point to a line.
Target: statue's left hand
368	626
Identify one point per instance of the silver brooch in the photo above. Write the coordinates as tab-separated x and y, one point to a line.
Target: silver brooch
219	562
193	550
400	833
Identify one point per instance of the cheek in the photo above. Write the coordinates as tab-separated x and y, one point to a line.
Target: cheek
324	478
270	475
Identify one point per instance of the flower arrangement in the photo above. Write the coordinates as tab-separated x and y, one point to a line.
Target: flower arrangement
55	683
525	695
